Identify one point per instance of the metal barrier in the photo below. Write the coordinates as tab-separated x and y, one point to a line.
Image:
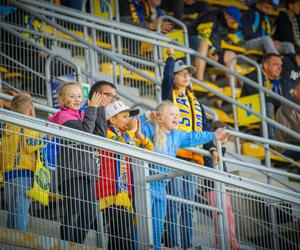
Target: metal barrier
133	68
183	49
248	212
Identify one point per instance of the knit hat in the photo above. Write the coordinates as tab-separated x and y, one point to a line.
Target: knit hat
234	12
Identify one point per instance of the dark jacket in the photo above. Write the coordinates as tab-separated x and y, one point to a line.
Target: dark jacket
289	75
185	12
284	28
252	21
166	93
75	159
249	90
137	13
212	27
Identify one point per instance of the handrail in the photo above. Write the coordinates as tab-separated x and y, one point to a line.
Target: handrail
262	104
22	65
265	141
197	82
142	34
36	105
260	168
171	44
230	100
155	158
48	75
95	47
98	20
182	25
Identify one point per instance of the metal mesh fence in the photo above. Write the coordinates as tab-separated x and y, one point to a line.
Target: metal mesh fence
111	200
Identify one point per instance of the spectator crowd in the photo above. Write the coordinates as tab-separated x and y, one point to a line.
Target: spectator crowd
178	122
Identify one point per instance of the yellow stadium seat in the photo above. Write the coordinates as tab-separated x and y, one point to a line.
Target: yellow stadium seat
137	77
12	75
242	70
238	4
252	126
227	91
3	70
276	157
176	35
107	68
258	151
253	150
222	116
235	48
50	31
198	88
254	52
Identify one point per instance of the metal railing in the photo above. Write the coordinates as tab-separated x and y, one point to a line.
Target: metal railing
179	48
189	51
251	201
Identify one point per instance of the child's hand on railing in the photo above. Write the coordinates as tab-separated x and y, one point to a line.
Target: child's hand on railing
221	133
215	157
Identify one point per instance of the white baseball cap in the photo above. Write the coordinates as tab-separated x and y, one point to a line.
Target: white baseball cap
179	66
117	107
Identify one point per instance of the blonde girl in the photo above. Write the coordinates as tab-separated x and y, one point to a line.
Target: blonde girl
161	126
76	165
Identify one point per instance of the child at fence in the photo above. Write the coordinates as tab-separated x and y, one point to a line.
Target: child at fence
161	126
18	160
114	188
76	164
175	87
211	194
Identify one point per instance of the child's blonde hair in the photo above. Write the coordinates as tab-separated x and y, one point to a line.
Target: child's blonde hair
63	88
160	137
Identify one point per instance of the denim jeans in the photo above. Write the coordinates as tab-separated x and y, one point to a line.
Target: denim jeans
158	208
183	188
17	202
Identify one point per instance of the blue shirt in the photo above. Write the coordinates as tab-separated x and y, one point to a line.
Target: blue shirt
175	139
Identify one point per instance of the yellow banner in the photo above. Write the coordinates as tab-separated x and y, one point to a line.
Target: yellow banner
100	8
245	117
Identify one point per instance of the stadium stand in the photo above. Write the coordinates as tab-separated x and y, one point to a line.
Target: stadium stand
91	47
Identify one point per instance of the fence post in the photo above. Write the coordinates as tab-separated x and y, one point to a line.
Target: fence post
144	235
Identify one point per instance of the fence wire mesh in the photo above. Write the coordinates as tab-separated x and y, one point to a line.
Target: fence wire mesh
108	200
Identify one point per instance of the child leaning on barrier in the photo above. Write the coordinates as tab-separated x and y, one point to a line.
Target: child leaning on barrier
18	160
76	165
161	126
114	188
211	194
